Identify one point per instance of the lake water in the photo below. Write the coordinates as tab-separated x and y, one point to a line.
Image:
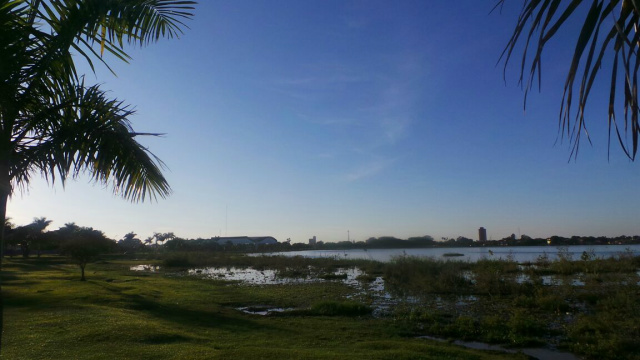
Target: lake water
517	253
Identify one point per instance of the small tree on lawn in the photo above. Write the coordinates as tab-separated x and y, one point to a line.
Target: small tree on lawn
84	245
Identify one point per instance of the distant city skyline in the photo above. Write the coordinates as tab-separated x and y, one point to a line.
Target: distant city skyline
350	119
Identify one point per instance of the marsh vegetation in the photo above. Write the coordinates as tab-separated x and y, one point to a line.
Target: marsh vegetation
588	305
584	304
172	305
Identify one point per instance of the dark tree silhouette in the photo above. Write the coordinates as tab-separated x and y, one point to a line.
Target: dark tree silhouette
54	125
30	236
37	235
162	237
130	242
84	244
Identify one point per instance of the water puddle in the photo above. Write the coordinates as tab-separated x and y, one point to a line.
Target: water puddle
262	310
466	300
248	276
148	268
370	291
551	280
373	291
538	353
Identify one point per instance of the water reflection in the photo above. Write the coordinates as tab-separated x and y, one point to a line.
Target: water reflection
248	276
148	268
519	254
536	353
262	310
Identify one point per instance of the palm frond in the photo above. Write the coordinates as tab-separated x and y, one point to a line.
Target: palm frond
90	133
111	23
52	123
80	26
618	20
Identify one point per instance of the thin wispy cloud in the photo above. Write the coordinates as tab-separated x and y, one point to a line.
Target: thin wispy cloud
317	83
394	129
368	170
335	121
362	113
319	80
327	155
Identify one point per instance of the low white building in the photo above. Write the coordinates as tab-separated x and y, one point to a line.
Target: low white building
245	240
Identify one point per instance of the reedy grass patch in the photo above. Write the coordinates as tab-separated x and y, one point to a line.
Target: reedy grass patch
582	301
340	308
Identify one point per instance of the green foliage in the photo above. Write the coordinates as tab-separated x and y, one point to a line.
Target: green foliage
525	329
177	260
55	124
340	308
83	245
390	242
589	305
408	275
31	237
130	243
607	335
552	302
494	329
333	276
494	277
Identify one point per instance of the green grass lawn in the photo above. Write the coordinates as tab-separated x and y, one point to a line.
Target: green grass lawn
121	314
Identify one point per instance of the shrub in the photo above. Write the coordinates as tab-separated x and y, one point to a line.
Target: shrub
83	245
524	329
340	308
418	276
177	260
552	302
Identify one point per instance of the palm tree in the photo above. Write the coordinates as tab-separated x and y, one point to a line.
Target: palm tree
608	38
129	242
40	224
130	236
35	233
162	237
53	124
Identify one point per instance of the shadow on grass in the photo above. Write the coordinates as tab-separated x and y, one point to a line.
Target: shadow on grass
182	315
158	339
32	262
39	300
8	276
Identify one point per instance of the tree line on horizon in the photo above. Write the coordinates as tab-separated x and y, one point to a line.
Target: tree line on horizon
387	242
30	239
25	240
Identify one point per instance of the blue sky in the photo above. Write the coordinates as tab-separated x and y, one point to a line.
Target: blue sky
302	118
